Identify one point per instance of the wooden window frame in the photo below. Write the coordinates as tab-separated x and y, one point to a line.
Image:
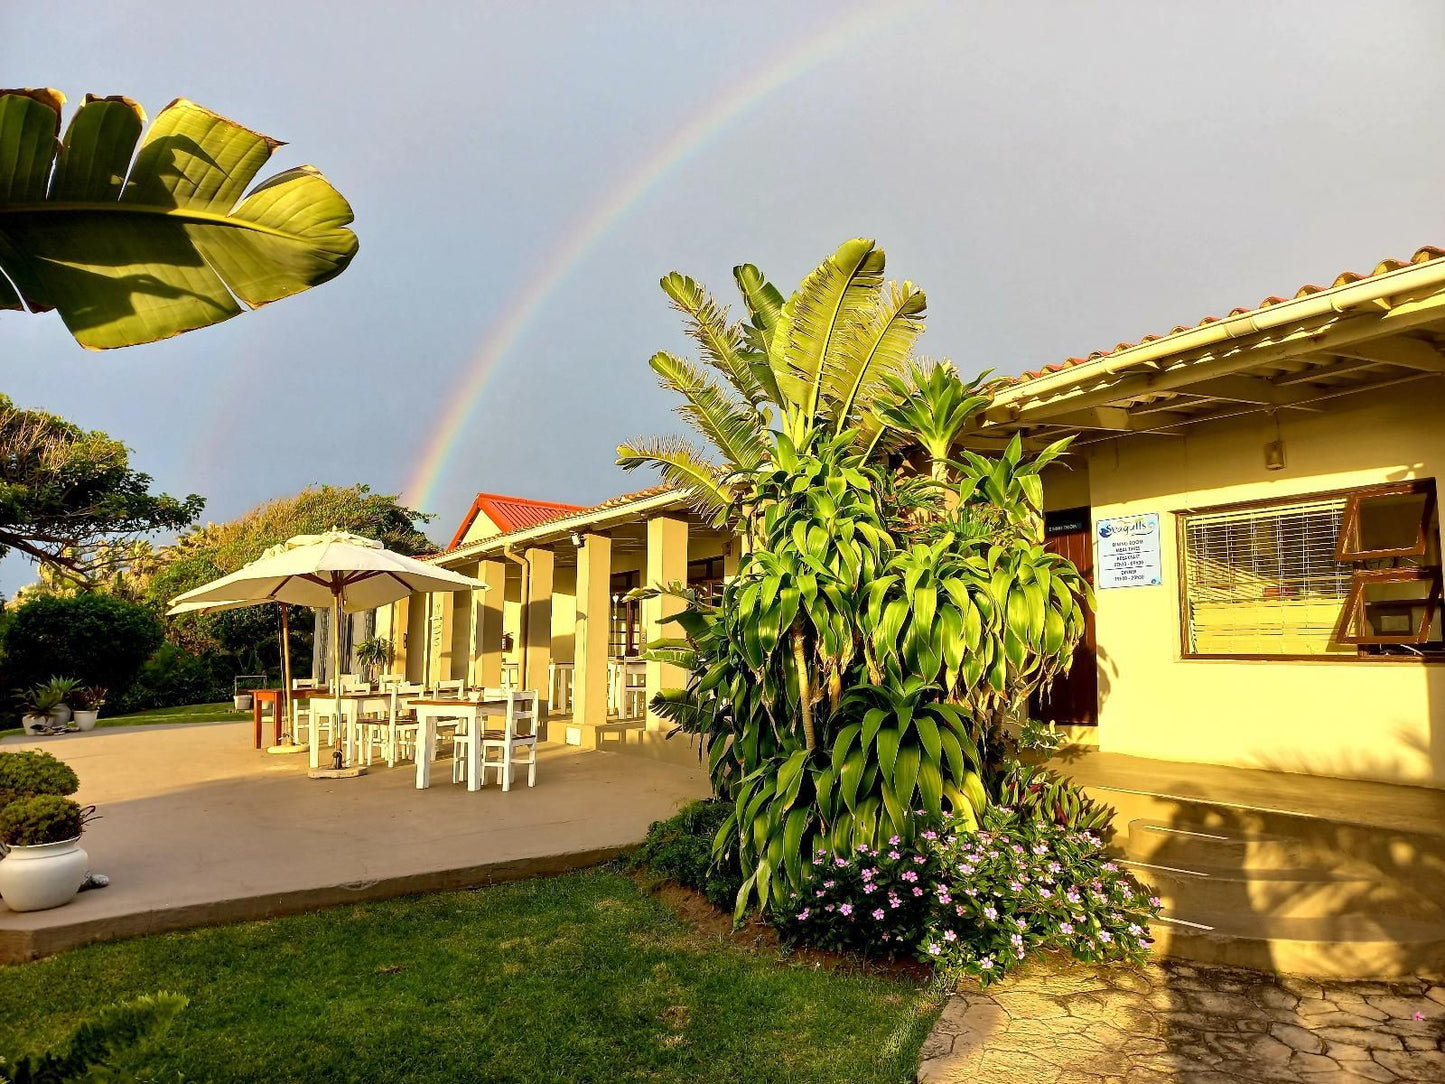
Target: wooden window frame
1433	658
1350	523
1356	599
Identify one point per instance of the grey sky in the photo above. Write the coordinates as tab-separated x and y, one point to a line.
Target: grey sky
1059	178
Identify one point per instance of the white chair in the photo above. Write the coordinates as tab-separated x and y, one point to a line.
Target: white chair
511	675
517	735
302	716
559	688
404	725
462	733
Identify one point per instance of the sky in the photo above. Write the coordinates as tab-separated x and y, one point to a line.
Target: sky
1058	178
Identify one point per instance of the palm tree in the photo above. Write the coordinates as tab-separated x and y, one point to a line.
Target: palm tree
130	247
818	360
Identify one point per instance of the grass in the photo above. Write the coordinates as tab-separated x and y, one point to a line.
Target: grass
579	978
221	711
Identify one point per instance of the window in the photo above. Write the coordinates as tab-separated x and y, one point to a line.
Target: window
1337	575
625	634
705	576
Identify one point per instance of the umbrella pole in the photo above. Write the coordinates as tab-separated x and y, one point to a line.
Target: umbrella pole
336	659
285	698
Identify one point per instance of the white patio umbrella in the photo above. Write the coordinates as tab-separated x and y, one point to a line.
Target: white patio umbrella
344	571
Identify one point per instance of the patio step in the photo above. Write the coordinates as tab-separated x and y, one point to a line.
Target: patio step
1170	845
1336	947
610	735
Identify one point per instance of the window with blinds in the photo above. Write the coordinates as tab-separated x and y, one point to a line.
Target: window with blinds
1264	580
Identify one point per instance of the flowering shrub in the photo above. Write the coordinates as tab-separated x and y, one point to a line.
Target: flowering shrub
1021	885
876	899
976	903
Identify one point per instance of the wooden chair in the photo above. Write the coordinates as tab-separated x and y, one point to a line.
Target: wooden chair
517	735
462	735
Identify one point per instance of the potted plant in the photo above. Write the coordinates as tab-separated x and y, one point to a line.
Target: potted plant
374	653
66	688
38	707
44	864
40	827
87	702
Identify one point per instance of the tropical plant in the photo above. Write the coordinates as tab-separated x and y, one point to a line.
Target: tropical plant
372	653
69	499
41	701
42	819
30	772
88	698
97	1048
102	639
64	687
133	247
886	619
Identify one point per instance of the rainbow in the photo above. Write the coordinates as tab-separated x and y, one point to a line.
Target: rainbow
612	207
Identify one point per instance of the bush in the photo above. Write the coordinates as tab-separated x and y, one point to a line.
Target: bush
1043	794
45	818
33	772
174	676
99	639
976	903
680	849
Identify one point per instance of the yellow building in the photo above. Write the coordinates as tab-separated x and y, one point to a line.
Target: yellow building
1234	488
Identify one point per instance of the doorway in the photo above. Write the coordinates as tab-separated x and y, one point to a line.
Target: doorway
1073	698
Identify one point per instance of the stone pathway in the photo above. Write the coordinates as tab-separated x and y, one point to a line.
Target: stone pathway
1060	1022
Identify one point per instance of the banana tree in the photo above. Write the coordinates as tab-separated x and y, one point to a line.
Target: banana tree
133	246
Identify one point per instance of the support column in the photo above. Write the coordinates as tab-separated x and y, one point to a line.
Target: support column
487	650
594	572
538	623
666	563
442	623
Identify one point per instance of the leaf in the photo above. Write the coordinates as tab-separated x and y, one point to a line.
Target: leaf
131	252
905	773
681	465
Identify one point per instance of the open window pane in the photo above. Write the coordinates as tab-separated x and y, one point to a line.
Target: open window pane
1387	521
1392	606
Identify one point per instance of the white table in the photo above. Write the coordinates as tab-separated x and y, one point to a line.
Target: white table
353	706
429	710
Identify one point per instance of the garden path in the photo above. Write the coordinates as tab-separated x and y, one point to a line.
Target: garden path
1062	1022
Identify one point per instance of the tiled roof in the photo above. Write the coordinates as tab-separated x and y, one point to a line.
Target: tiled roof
1422	255
510	513
568	511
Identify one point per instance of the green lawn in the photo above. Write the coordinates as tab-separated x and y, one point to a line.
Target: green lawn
577	978
186	713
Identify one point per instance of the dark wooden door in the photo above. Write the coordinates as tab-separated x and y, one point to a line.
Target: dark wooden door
1073	699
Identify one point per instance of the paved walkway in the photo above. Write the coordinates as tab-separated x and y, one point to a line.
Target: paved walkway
1068	1023
197	828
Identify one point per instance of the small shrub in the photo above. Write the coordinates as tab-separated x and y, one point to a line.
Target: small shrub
1020	886
34	772
45	818
875	900
1042	794
174	676
680	849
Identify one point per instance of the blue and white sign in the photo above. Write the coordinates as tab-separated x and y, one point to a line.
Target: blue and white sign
1128	551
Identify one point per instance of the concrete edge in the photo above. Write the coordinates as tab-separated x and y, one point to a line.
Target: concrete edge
20	945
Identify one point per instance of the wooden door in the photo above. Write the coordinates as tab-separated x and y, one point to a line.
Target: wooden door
1073	699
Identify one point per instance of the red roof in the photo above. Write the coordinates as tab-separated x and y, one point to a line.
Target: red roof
510	514
1422	255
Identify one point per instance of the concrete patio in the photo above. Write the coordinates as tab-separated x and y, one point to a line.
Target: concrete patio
197	828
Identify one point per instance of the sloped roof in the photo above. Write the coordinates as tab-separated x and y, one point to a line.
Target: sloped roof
1422	255
510	514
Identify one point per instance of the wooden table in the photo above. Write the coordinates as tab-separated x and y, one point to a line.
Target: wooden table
277	699
358	703
429	710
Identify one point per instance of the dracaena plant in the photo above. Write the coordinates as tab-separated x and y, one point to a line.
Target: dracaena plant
885	616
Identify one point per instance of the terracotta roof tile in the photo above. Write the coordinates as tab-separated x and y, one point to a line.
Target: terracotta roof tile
1344	278
510	513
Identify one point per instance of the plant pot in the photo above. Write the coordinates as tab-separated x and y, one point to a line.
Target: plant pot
86	719
62	714
38	878
36	724
243	701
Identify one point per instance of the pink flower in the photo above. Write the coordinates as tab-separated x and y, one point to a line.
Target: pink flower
930	834
893	841
990	912
917	891
894	855
1066	927
909	875
845	909
944	897
803	915
949	935
840	862
869	873
934	948
829	884
869	886
878	914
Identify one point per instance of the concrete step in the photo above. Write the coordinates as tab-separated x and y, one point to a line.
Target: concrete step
1281	893
609	735
1170	845
1342	946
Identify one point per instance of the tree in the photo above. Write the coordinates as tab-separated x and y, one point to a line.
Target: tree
133	247
895	605
69	498
99	639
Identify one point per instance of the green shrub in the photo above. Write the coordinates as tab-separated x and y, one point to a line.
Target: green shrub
99	639
680	849
45	818
100	1046
34	772
174	676
1042	794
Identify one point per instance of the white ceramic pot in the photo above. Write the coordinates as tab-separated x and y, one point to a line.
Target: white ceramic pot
243	701
34	723
38	878
86	719
62	714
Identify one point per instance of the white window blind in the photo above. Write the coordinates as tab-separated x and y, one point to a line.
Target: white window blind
1264	580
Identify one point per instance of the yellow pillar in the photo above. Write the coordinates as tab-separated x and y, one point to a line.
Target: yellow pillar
666	563
540	563
594	601
487	649
443	621
400	616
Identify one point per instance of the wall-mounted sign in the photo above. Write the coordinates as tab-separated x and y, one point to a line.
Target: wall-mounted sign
1128	554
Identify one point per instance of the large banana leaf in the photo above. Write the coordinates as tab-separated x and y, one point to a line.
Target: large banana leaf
131	251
